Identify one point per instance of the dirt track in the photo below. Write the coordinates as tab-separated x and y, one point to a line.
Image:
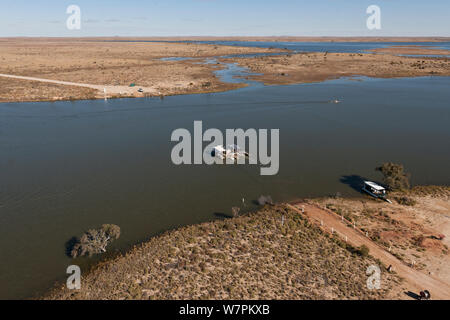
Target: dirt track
108	90
416	280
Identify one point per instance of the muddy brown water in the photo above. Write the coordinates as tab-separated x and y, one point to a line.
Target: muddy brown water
69	166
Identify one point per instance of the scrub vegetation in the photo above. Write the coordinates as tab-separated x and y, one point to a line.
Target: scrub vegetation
274	253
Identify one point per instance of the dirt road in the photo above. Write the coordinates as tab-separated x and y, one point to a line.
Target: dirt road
108	91
416	280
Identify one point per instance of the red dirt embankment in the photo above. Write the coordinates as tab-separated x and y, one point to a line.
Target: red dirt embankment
416	280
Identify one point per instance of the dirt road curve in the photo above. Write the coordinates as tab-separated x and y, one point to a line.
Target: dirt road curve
416	281
110	90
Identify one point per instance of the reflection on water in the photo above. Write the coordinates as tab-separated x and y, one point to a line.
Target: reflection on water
69	166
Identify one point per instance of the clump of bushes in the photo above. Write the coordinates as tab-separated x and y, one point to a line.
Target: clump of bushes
363	251
406	201
95	241
394	176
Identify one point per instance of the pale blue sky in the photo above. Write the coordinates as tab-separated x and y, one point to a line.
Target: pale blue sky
225	18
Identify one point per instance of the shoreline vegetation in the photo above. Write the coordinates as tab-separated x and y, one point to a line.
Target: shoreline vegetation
280	252
81	68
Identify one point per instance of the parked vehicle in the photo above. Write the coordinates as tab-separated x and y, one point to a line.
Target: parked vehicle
425	295
375	190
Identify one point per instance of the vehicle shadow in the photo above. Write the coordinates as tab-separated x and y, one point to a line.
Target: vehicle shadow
412	295
354	181
223	215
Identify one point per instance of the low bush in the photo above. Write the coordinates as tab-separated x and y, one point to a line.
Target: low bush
406	201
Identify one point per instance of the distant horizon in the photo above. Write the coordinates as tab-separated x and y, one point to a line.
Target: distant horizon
231	36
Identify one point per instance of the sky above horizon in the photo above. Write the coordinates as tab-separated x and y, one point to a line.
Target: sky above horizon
224	18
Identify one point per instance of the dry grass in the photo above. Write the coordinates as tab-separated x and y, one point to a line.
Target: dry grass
24	91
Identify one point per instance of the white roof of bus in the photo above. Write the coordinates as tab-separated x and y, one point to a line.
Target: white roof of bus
374	185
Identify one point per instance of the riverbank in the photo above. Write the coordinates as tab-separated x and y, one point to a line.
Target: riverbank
280	253
95	68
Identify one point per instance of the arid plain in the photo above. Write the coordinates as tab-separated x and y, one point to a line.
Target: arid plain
92	68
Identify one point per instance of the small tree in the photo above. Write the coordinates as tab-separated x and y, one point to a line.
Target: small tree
394	176
95	241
